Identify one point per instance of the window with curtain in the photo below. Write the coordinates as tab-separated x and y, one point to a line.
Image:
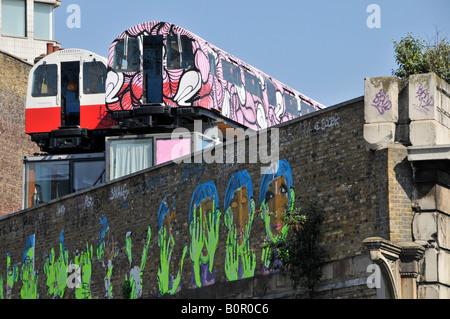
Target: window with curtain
43	21
129	155
14	18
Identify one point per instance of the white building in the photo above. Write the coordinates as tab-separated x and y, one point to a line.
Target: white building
27	27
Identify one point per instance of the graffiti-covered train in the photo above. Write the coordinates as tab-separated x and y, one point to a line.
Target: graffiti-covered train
158	76
65	104
160	73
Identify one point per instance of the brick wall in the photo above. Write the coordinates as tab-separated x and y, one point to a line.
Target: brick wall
328	160
14	143
401	194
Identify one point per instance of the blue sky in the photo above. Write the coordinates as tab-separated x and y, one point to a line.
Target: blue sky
322	48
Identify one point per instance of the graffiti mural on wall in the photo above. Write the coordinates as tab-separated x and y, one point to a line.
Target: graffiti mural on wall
106	248
239	208
168	284
29	276
276	196
136	273
204	218
158	62
83	260
56	270
11	278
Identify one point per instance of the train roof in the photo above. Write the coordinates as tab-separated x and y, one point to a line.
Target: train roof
68	55
158	27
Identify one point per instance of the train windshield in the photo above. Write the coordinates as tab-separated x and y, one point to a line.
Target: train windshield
45	80
179	52
127	55
94	74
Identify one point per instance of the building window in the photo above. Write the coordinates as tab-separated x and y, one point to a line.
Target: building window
14	18
46	181
128	155
52	176
87	174
43	21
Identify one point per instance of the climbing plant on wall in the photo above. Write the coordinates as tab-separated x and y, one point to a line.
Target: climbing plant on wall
300	255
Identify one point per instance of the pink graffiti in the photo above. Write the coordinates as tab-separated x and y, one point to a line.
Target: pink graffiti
201	85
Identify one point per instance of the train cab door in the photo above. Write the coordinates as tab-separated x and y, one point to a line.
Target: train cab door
152	69
70	93
92	94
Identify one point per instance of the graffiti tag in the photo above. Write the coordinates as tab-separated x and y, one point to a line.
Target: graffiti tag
426	100
382	102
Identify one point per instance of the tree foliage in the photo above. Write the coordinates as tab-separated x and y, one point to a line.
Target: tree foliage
414	56
300	254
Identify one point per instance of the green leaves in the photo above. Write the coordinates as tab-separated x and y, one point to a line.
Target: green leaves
299	253
415	56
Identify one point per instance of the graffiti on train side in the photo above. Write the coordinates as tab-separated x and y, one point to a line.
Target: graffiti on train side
157	62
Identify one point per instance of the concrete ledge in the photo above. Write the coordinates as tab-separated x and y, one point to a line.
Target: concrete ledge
436	266
379	135
428	133
427	153
433	291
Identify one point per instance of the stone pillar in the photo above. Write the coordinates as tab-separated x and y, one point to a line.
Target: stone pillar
429	110
431	221
399	263
384	115
387	256
411	254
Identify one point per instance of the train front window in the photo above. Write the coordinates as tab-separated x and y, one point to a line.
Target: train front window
127	55
179	52
94	74
45	80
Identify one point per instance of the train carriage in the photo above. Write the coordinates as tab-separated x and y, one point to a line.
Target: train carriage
65	105
160	73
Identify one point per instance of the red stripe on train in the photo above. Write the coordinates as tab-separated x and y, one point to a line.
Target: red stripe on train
40	120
